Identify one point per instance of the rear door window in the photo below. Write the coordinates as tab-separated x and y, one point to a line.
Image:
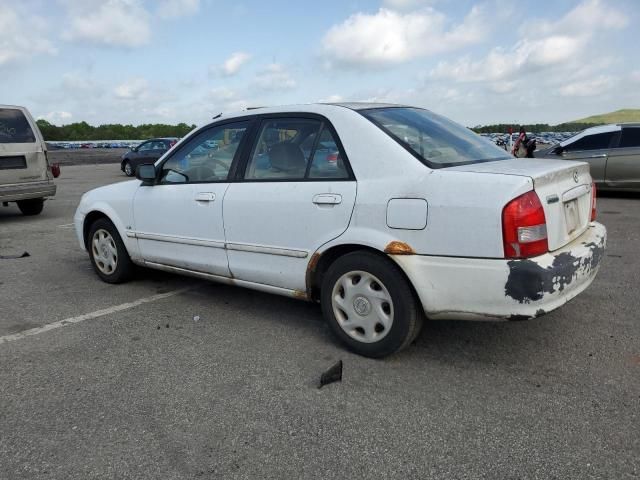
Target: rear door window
597	141
630	138
14	127
283	149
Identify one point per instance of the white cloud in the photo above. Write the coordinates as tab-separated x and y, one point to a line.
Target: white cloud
274	77
15	43
561	54
132	89
178	8
389	37
335	98
587	88
57	117
232	65
406	4
117	23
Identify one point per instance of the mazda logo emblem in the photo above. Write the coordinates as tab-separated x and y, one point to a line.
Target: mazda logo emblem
575	177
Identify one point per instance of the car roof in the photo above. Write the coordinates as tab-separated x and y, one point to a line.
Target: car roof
319	108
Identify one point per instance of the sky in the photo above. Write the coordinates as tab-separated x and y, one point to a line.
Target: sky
169	61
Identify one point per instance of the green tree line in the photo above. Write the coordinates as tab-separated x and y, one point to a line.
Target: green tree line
534	128
113	131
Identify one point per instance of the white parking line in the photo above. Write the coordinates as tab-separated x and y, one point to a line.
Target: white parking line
89	316
68	225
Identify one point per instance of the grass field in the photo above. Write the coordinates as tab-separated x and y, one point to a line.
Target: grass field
626	115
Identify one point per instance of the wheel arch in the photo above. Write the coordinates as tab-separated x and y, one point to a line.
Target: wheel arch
104	211
322	260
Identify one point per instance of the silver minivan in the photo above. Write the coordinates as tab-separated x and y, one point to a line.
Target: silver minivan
25	173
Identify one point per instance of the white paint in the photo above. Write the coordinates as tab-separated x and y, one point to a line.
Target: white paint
67	225
90	316
407	213
266	231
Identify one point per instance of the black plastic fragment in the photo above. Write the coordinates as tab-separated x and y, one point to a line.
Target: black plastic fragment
9	257
333	374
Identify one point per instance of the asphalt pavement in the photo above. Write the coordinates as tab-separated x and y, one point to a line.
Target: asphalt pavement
169	377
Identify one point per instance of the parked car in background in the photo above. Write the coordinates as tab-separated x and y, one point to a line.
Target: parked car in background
147	152
444	224
25	174
612	151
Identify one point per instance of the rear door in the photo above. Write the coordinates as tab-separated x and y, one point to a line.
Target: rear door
592	149
295	193
623	164
22	157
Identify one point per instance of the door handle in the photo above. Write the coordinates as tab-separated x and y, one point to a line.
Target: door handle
205	197
327	199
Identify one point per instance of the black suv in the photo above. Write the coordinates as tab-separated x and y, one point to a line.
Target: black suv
147	152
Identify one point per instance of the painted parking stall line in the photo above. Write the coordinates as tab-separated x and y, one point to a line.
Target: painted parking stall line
89	316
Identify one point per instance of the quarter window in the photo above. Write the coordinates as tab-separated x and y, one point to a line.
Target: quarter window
14	127
630	137
597	141
205	158
327	160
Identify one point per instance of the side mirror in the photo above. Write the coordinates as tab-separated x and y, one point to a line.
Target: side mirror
146	173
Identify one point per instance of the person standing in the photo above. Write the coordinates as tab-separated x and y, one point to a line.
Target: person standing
524	146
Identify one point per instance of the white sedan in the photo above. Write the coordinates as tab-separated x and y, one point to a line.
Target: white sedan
384	214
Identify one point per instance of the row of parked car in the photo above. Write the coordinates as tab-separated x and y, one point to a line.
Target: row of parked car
102	144
384	214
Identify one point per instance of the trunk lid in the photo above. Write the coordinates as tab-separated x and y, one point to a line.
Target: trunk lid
564	189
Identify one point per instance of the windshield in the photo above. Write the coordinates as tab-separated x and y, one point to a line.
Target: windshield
435	140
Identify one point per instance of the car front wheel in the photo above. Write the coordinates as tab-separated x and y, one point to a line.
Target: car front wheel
370	305
128	169
107	252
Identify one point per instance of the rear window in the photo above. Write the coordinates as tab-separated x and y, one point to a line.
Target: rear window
433	139
630	137
14	127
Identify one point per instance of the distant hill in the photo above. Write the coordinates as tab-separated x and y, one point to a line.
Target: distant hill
626	115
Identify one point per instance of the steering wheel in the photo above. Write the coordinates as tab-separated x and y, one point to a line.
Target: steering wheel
203	173
220	163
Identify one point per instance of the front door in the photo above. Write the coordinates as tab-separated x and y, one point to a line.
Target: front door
592	149
178	221
296	193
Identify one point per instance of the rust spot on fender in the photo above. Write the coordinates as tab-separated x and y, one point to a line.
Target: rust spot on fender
300	294
399	248
311	268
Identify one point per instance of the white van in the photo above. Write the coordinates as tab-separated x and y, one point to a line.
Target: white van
25	174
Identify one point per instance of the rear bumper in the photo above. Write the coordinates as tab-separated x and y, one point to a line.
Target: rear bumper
25	191
486	289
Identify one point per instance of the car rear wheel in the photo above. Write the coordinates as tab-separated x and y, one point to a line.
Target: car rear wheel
128	169
107	252
370	305
33	206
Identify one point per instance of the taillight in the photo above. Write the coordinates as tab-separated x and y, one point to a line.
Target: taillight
593	202
332	157
524	227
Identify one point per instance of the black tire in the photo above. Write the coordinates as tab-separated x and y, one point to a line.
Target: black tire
33	206
407	312
128	169
124	267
